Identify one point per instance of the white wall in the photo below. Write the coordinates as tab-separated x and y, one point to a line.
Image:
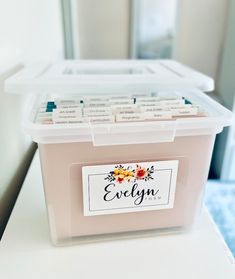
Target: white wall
15	148
103	28
29	30
200	33
226	81
205	40
225	147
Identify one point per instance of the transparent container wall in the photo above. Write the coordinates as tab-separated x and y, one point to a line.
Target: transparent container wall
62	174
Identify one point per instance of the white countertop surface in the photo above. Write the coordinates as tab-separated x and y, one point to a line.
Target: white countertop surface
26	250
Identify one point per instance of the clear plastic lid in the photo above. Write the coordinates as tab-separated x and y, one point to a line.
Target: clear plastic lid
84	76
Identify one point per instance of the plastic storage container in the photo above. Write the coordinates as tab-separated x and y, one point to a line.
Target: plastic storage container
122	171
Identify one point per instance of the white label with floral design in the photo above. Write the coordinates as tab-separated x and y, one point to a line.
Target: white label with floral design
121	188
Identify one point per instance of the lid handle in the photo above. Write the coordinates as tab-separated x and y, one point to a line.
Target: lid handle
144	133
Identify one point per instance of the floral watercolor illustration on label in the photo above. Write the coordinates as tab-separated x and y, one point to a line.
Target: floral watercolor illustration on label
131	187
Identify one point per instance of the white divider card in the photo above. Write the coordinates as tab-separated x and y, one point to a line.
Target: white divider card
107	98
103	103
100	119
158	102
111	109
177	106
162	100
185	111
93	115
141	95
172	102
125	108
96	99
97	112
61	115
67	102
154	108
160	115
133	111
102	110
70	121
115	97
97	104
44	121
149	104
132	187
130	117
121	102
68	111
168	96
147	99
69	106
